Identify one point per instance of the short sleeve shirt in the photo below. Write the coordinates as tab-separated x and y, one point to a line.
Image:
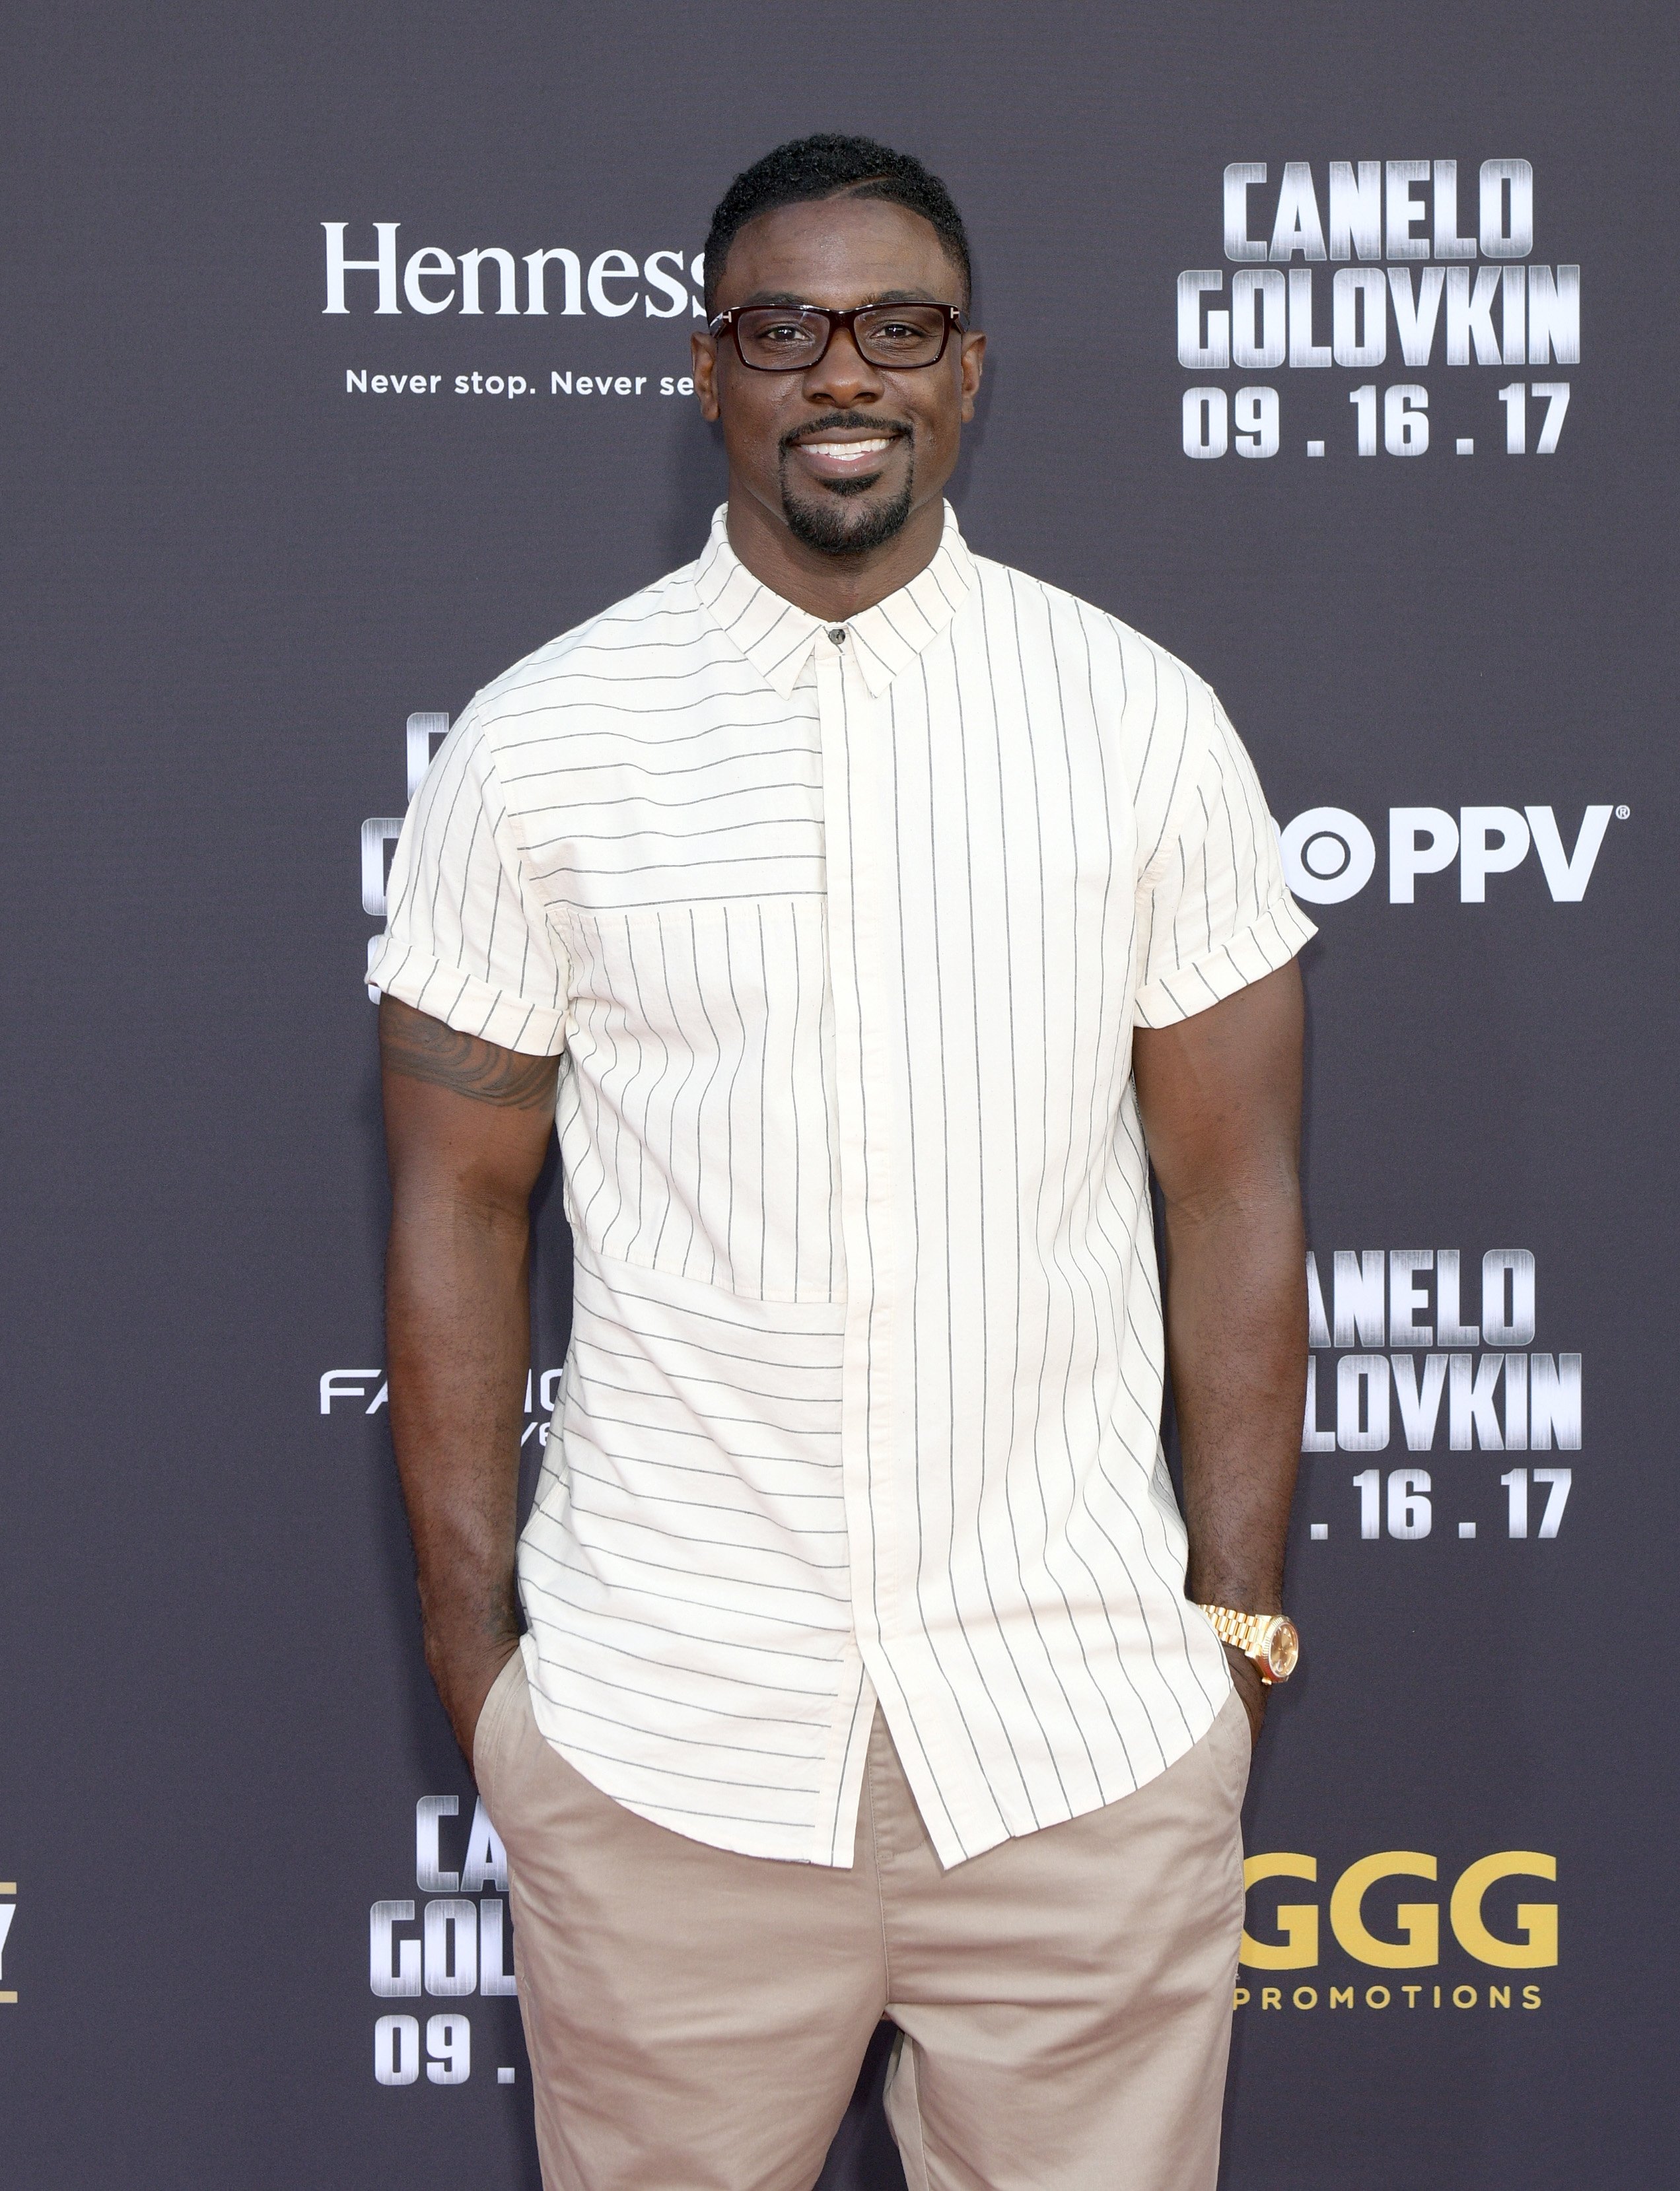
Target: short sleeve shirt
840	934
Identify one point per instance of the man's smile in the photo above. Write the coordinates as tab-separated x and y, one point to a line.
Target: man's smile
842	453
848	452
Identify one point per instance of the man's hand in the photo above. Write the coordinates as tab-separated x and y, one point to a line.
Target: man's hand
464	1679
467	1126
1245	1680
1220	1095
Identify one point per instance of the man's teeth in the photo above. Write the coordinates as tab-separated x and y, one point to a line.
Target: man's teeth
848	449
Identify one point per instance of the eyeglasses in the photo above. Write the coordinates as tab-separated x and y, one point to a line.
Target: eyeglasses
793	338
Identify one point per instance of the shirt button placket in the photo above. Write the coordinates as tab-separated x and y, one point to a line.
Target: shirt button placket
853	951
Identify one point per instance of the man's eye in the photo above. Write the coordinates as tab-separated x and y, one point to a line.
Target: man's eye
899	334
785	331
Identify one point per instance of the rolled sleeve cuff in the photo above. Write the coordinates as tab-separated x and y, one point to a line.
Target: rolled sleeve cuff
461	1000
1270	942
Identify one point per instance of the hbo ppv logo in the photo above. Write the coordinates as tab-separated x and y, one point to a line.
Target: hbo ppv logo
1411	1938
1329	855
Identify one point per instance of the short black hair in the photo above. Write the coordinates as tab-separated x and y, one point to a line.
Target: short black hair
826	167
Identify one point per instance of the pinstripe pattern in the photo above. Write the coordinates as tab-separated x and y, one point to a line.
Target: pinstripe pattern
841	947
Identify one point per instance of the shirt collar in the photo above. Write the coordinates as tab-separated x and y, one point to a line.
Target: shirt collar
776	637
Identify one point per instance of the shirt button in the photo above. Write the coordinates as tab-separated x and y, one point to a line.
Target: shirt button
837	633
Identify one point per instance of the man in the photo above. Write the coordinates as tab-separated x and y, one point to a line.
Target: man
865	906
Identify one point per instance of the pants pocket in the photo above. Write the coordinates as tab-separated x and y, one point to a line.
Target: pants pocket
492	1712
1230	1742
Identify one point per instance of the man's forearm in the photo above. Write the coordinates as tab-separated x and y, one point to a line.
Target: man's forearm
1237	1341
457	1338
1219	1097
467	1124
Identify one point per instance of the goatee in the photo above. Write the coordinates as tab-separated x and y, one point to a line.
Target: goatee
827	526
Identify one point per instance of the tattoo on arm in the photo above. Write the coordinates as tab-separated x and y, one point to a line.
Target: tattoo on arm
420	1048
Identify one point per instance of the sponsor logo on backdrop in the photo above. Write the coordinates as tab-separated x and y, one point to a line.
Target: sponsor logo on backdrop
1415	1374
9	1910
373	272
1381	1918
1330	854
1357	266
366	1392
451	1942
534	284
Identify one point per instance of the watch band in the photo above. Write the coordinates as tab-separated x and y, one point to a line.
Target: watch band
1246	1631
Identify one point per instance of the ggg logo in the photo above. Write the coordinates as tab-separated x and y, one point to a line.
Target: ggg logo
1329	855
1415	1927
1375	1923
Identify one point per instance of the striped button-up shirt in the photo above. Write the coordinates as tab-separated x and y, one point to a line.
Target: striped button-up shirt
840	933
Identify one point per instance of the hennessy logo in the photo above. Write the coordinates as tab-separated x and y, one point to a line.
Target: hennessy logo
430	280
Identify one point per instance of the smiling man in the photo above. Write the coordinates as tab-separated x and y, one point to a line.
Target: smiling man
872	916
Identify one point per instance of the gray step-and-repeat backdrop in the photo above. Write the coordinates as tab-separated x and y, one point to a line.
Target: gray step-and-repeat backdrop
345	357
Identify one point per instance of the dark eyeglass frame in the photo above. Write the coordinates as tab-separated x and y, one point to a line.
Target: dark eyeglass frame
726	323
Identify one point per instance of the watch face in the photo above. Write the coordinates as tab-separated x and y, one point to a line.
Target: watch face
1282	1650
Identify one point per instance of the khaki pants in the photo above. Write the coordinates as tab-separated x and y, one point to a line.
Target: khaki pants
696	2019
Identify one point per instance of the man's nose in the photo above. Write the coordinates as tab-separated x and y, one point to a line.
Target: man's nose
843	374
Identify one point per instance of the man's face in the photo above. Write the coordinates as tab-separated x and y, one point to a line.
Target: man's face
844	452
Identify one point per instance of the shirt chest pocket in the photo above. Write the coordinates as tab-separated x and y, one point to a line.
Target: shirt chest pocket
698	1126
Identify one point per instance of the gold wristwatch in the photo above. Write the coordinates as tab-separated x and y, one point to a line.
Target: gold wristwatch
1270	1639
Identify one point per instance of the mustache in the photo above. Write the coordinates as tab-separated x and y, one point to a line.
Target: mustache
858	421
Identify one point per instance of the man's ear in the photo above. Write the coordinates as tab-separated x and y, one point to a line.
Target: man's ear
973	363
704	351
